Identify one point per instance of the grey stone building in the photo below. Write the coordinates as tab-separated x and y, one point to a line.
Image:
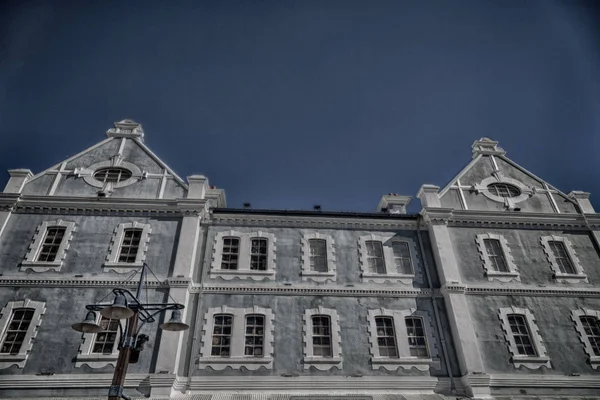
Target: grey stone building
491	290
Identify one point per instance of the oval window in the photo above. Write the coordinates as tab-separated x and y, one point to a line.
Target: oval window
112	174
503	190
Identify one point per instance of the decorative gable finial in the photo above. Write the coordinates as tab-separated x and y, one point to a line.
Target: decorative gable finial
127	128
487	146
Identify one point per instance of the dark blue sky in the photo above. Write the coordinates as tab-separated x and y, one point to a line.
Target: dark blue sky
286	104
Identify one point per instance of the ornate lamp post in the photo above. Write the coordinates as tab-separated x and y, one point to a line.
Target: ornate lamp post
127	306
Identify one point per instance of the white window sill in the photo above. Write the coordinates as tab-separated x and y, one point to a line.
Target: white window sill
96	360
531	362
7	360
250	363
392	364
406	279
570	278
322	363
229	274
41	266
120	267
318	276
502	276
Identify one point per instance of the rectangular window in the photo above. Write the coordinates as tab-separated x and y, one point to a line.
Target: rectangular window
496	255
386	337
562	257
417	342
231	250
321	336
592	331
258	254
255	335
375	257
104	342
520	332
318	255
51	244
130	245
402	258
17	329
221	338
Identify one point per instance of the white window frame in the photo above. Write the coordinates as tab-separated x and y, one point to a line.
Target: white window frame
237	359
7	360
404	359
245	244
318	362
579	275
593	359
112	263
531	362
388	259
316	276
30	261
96	360
490	272
88	174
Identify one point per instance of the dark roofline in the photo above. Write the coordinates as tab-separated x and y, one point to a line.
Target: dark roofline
310	213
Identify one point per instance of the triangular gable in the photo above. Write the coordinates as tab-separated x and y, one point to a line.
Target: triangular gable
476	186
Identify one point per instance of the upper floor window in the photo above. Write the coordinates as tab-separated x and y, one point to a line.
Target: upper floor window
237	337
112	174
104	342
401	338
18	327
318	257
322	348
563	259
503	190
388	258
128	247
523	338
498	262
587	326
243	255
19	322
49	246
258	254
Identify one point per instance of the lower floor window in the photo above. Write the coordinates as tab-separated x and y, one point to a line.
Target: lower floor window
104	342
386	337
321	336
417	341
255	335
520	332
221	339
17	329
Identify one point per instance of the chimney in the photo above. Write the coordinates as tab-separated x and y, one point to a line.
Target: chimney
428	194
198	184
18	178
583	201
392	203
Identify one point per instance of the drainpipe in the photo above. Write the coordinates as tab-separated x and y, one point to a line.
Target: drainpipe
435	308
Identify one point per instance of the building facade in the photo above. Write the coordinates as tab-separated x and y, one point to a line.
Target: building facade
492	290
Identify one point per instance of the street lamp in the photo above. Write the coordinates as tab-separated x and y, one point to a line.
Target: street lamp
127	306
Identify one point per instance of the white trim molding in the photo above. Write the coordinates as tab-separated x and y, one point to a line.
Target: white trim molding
319	362
388	259
509	202
307	273
236	358
96	360
593	359
490	272
532	362
559	276
31	258
404	359
112	263
39	307
243	270
88	173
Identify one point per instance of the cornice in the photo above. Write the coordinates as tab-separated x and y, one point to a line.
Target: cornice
534	291
305	290
60	205
88	282
313	222
544	381
63	381
514	219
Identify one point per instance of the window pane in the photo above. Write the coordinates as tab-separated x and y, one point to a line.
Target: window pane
520	332
17	329
417	342
321	336
104	341
562	257
258	254
375	257
51	243
318	255
231	249
130	245
221	339
592	331
255	334
112	174
402	257
496	255
503	190
386	337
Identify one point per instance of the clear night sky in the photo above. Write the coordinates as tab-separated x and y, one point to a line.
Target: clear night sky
287	104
